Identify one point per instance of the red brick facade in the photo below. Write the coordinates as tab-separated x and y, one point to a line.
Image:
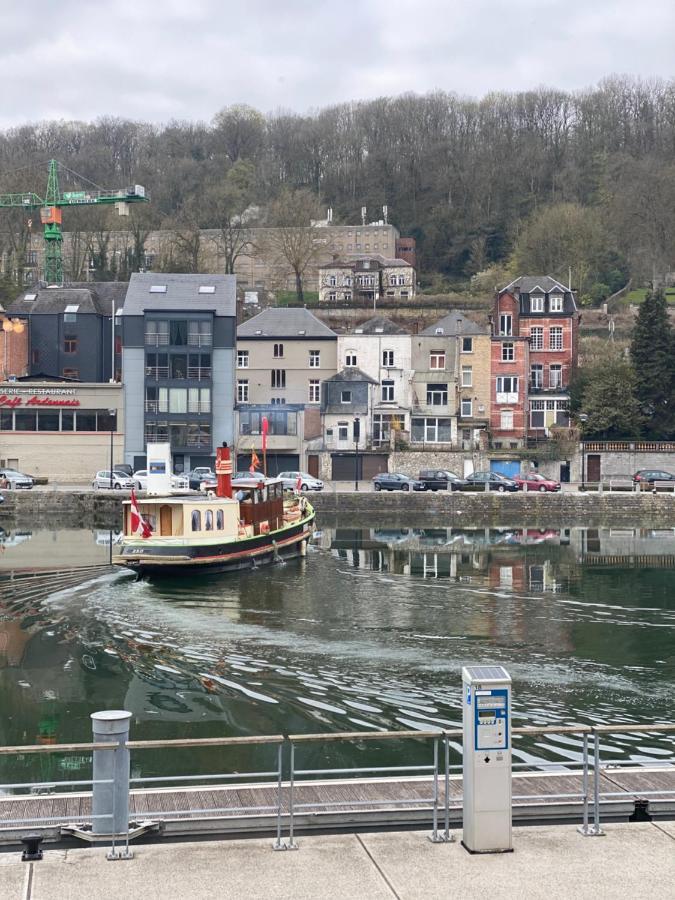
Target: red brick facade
13	352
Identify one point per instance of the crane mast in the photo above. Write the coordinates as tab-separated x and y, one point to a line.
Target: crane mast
52	203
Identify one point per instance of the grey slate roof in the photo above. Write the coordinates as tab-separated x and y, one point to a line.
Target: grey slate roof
379	325
283	322
528	284
353	373
182	294
93	297
453	324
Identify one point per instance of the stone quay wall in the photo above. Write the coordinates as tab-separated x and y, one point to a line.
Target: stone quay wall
419	509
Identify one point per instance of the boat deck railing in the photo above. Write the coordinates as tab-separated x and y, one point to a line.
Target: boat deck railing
286	793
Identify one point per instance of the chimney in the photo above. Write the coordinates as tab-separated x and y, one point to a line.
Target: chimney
223	471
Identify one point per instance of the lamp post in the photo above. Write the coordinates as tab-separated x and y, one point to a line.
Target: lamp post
113	421
357	434
583	418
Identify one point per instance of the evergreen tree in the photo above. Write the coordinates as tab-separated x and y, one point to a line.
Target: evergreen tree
608	400
652	357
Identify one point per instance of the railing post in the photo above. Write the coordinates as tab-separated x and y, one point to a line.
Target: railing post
595	830
278	844
448	837
433	837
110	802
291	845
583	829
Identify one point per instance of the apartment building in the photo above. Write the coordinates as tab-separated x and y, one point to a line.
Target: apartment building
450	383
178	356
535	337
381	350
367	278
283	355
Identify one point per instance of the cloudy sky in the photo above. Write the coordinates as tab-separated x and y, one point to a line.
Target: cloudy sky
162	59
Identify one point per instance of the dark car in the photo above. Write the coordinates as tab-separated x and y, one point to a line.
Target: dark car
440	480
489	481
533	481
649	476
202	475
394	481
123	469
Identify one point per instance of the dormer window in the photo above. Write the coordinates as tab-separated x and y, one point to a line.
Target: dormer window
207	288
556	303
158	289
440	331
536	303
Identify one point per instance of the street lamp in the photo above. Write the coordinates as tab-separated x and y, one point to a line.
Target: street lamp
357	434
583	418
113	421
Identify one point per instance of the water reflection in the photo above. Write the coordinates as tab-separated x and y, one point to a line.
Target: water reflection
369	633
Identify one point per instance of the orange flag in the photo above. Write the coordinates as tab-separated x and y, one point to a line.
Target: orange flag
255	462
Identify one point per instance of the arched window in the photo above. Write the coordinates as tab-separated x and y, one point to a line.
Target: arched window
208	520
220	519
196	520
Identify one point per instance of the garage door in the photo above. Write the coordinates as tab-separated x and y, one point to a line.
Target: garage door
276	462
369	464
508	467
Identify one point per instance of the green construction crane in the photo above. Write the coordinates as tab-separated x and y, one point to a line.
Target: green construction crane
50	212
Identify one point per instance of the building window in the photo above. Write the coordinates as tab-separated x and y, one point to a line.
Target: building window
178	332
556	303
329	435
314	391
220	519
196	520
332	280
242	391
392	280
437	394
437	359
545	413
507	352
345	397
467	345
242	359
387	391
314	359
332	296
350	358
348	296
343	431
70	312
278	378
404	295
200	334
278	351
555	377
536	304
467	376
70	373
506	324
70	343
278	401
431	431
208	520
506	420
466	409
507	384
536	338
555	338
384	424
388	359
536	377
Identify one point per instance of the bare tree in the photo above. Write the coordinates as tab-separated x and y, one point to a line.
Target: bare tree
291	241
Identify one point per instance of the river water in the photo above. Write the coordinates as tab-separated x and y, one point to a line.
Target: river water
369	632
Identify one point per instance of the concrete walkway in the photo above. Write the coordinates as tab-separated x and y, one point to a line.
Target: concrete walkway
549	862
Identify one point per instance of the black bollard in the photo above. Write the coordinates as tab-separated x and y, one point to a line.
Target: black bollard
32	849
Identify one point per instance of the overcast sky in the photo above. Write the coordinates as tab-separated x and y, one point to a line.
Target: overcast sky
161	59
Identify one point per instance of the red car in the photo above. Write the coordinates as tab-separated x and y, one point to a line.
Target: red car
536	482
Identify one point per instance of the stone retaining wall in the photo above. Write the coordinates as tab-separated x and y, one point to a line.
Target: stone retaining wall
419	509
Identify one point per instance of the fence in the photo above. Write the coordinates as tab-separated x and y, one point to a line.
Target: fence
412	787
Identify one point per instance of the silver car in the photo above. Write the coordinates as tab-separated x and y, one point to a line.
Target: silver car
15	480
307	482
178	482
106	479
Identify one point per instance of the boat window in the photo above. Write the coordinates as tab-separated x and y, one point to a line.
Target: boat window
220	519
208	520
196	520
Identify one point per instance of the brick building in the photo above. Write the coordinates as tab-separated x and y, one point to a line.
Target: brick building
369	278
535	331
13	347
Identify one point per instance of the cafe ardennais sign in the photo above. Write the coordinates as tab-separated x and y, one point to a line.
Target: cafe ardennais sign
13	397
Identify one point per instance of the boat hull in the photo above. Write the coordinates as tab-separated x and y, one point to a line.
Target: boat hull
228	556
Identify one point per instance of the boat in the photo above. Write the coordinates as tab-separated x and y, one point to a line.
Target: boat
190	533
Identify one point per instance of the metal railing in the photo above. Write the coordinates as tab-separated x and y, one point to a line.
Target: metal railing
199	372
598	785
156	339
200	340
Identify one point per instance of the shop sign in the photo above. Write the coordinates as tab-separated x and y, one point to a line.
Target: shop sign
13	400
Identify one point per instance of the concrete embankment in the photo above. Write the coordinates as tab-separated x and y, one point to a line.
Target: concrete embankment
418	509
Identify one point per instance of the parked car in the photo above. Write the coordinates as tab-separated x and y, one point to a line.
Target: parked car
178	482
15	481
202	475
651	475
105	478
307	482
440	480
394	481
123	469
491	481
536	482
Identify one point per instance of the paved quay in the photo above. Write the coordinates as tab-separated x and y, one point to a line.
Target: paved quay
548	862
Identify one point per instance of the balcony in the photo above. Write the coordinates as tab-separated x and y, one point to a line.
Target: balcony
199	407
155	406
153	339
156	372
507	397
200	340
199	373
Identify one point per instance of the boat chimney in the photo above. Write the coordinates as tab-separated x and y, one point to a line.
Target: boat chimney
223	471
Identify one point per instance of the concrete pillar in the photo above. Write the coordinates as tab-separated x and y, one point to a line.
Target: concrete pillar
111	801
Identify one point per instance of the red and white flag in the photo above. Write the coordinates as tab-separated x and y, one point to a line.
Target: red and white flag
139	526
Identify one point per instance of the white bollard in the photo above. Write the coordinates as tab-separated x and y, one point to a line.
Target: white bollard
110	802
